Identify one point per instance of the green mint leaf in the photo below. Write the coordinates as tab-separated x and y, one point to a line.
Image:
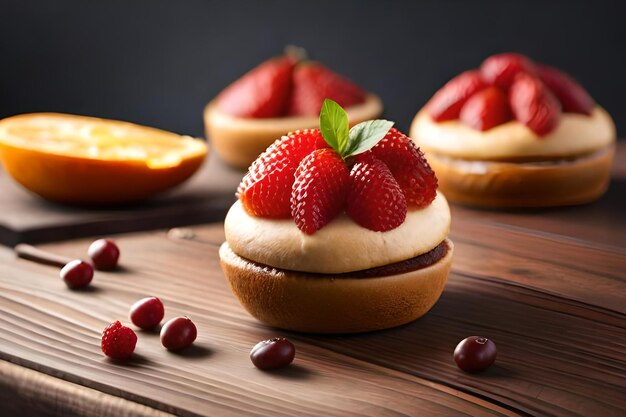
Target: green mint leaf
364	136
334	126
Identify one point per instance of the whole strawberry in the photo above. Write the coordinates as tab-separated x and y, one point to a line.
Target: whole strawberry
534	105
375	200
446	104
266	189
313	83
409	167
500	70
372	173
572	96
118	341
262	92
486	109
319	190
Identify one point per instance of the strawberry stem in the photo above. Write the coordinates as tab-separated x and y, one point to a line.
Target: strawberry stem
296	52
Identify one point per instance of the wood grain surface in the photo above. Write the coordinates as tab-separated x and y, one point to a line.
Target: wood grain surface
560	348
548	286
28	218
24	392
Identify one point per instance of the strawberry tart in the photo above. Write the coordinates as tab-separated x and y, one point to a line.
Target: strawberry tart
515	133
338	230
281	95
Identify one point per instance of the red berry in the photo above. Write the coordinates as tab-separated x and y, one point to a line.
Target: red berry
501	69
104	254
572	96
118	342
178	333
486	109
447	102
534	105
319	190
147	313
475	354
273	353
375	200
77	274
262	92
266	189
409	167
312	83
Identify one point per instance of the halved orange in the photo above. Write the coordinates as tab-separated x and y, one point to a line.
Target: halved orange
85	160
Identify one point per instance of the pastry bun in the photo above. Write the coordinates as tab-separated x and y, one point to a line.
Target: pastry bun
240	140
327	303
512	184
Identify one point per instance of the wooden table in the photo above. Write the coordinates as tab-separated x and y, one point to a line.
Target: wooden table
548	286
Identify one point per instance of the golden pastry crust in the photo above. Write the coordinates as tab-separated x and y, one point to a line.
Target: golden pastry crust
510	184
327	304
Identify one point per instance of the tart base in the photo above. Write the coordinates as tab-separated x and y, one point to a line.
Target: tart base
328	303
240	140
510	184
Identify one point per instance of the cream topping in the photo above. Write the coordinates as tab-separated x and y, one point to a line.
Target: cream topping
340	246
576	134
370	108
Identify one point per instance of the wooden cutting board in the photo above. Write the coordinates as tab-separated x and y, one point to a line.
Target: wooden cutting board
25	217
553	303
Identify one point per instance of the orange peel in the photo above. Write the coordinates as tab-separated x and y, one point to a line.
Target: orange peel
90	161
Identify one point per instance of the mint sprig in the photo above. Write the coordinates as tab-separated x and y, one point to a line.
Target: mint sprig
334	125
349	142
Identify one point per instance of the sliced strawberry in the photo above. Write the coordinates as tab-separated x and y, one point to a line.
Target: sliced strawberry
375	200
312	83
262	92
266	189
486	109
408	166
319	190
534	105
447	102
572	96
500	69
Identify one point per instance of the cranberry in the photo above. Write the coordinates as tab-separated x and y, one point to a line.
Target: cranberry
104	254
273	353
178	333
475	354
77	274
147	313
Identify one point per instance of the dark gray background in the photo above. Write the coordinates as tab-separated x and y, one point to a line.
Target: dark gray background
158	62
